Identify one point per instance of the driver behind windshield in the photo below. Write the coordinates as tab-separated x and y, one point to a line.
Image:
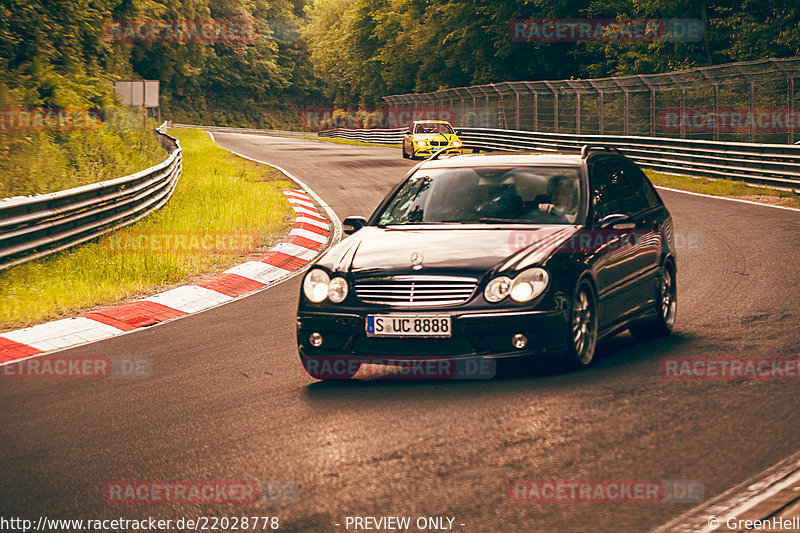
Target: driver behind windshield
502	198
563	198
432	128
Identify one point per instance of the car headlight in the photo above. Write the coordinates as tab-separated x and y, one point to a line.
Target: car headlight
529	284
420	142
316	285
337	290
456	144
524	288
497	289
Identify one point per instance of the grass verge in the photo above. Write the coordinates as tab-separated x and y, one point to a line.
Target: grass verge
218	194
727	188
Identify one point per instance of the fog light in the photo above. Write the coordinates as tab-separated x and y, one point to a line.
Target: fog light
315	339
519	341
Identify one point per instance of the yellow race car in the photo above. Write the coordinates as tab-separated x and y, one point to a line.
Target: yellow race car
425	137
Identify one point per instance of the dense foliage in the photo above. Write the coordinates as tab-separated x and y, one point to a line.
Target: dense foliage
349	52
54	53
365	49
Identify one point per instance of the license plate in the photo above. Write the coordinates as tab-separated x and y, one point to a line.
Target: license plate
409	326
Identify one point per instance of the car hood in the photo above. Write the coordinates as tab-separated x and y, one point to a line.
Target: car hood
472	249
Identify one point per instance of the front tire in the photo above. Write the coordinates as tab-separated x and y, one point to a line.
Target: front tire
405	155
582	331
666	308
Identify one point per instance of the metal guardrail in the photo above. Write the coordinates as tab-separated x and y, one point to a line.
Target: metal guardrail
388	136
226	129
36	226
773	165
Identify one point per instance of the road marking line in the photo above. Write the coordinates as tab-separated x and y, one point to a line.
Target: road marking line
738	499
330	214
727	198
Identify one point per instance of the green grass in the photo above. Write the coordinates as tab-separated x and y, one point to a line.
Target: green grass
218	192
38	162
729	188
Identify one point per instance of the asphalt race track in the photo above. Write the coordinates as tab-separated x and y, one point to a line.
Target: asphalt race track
228	399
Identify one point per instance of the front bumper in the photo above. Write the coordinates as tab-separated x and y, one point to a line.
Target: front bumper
430	150
478	334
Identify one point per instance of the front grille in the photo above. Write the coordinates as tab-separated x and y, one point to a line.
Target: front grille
416	290
439	143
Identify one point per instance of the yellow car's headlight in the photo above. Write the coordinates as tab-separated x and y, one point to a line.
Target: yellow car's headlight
456	144
420	143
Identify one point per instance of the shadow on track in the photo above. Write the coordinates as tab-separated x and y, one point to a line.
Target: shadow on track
616	357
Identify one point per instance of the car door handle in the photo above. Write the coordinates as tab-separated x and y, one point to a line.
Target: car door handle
625	225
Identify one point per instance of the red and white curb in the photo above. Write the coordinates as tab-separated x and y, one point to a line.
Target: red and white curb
310	234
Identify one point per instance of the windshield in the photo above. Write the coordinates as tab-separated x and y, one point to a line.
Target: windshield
433	128
537	195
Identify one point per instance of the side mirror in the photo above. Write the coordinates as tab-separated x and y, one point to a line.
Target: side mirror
351	225
616	221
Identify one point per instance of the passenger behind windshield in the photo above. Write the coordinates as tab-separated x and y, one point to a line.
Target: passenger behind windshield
521	195
564	196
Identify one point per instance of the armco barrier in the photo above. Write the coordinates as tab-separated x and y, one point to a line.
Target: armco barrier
226	129
392	136
774	165
35	226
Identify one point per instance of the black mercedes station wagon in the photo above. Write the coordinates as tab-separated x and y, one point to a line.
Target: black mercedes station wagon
492	256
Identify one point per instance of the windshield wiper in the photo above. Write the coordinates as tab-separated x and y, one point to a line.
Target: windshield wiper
491	221
506	220
420	223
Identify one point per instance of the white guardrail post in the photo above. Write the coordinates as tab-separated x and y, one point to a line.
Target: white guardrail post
36	226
